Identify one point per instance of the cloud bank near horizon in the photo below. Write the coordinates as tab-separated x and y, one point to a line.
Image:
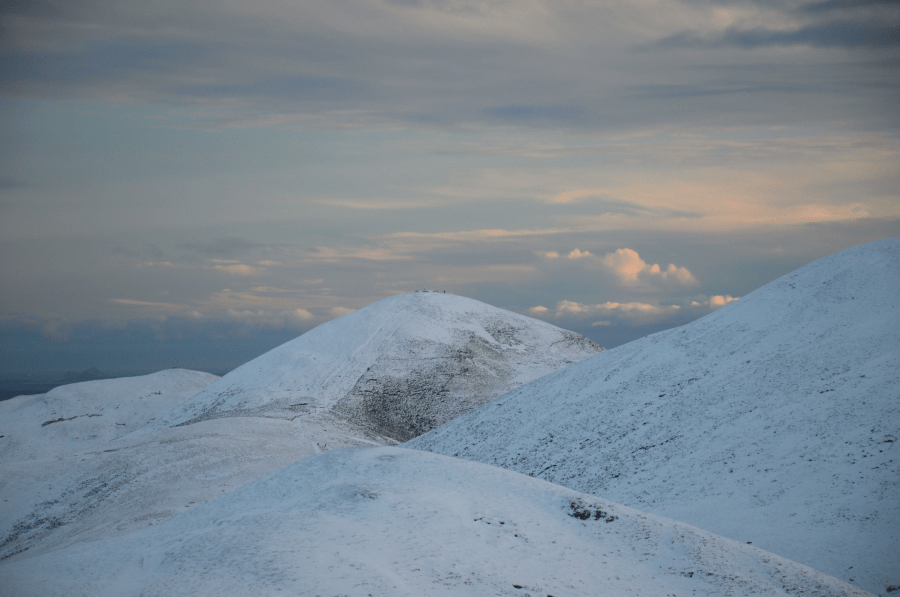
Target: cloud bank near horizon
211	170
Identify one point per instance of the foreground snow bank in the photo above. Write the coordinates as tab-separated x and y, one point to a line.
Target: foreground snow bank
773	420
389	521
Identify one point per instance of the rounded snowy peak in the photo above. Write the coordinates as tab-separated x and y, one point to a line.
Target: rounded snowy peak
398	367
772	420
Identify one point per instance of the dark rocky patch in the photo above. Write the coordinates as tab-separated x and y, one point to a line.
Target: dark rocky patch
59	420
582	511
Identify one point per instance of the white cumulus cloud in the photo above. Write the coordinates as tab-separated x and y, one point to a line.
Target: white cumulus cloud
631	270
634	312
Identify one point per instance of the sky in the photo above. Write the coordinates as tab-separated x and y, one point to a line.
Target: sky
193	183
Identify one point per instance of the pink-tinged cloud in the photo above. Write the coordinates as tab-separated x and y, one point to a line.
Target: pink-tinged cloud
631	270
716	301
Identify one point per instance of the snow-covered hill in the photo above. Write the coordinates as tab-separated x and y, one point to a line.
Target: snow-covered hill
388	521
96	480
773	420
74	417
397	367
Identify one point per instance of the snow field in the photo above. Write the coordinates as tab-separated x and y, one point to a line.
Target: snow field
389	521
772	420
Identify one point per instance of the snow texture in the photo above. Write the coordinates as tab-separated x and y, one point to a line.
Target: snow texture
773	420
99	483
398	367
389	521
77	416
421	357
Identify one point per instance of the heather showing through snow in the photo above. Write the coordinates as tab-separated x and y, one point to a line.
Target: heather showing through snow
773	420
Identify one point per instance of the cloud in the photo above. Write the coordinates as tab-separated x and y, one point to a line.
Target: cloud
632	270
715	302
149	305
275	320
627	267
843	34
611	313
222	247
55	326
426	64
301	315
338	311
236	268
633	312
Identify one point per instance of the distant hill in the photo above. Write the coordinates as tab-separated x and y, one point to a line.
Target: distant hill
773	420
396	368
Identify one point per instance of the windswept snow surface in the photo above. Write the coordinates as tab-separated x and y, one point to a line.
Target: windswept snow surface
773	420
76	416
387	521
397	367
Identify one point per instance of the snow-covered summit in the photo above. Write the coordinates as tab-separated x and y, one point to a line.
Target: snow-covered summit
773	420
387	521
397	367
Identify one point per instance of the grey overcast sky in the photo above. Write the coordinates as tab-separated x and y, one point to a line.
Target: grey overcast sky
192	183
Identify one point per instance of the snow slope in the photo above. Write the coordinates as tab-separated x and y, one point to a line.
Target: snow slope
397	367
419	357
76	416
88	484
773	420
389	521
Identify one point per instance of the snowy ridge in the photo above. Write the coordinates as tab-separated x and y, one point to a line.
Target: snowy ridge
389	521
73	417
773	420
142	479
397	367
